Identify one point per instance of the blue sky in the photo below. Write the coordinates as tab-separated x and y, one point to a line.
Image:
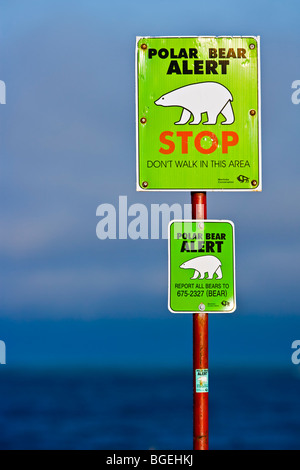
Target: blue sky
67	144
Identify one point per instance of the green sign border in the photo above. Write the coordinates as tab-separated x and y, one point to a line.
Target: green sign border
183	221
139	186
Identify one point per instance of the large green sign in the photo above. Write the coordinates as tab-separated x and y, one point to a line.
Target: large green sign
201	266
198	113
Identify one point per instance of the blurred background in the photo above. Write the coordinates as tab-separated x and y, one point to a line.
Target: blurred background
94	358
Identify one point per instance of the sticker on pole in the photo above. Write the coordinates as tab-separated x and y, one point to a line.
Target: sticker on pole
201	380
201	266
198	113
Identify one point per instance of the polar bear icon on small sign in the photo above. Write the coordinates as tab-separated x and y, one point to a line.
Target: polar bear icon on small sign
197	98
202	265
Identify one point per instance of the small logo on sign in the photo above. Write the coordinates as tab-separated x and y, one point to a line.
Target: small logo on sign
243	179
225	303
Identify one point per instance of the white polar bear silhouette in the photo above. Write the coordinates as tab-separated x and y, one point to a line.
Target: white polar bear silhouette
197	98
202	265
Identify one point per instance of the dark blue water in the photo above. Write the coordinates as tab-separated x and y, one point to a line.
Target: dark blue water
146	410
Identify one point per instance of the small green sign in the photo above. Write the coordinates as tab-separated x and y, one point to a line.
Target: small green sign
198	113
201	266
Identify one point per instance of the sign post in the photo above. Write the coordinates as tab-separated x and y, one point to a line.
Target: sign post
198	130
202	280
200	351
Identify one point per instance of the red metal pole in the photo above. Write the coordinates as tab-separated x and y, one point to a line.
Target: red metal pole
200	349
